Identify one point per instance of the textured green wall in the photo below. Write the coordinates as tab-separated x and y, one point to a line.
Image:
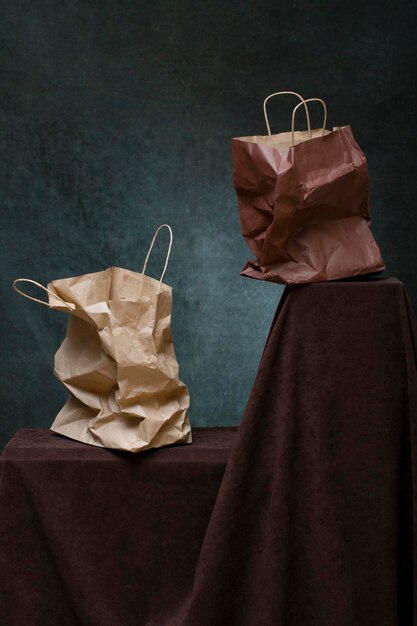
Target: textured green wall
117	116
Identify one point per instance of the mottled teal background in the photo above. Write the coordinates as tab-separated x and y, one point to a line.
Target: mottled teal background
117	116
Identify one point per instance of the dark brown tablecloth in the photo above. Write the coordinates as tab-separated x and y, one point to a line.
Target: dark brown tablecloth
313	524
100	538
314	521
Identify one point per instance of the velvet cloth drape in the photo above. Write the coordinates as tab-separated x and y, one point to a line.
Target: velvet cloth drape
93	537
315	517
311	524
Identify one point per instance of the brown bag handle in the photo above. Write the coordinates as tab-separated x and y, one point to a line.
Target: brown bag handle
70	306
281	93
305	103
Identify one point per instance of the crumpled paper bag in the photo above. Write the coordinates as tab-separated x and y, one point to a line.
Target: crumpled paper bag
304	204
118	362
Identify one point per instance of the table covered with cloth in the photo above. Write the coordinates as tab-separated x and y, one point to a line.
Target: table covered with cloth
312	523
92	537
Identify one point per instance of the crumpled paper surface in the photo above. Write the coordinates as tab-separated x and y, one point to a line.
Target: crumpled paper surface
118	363
304	208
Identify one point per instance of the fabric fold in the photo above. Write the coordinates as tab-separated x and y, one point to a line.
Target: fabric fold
315	517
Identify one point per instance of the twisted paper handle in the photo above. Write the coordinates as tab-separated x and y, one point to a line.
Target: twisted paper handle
171	239
33	282
305	103
281	93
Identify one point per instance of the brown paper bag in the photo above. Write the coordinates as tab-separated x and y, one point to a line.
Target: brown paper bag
118	360
304	203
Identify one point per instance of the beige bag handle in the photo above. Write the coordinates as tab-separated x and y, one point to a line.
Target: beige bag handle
281	93
305	103
171	239
71	306
33	282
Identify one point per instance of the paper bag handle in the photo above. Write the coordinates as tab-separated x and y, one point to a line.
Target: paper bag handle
171	239
281	93
305	102
33	282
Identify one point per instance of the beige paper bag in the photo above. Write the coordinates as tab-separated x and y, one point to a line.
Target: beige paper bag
118	361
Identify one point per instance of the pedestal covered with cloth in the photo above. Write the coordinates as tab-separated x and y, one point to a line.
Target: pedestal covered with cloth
313	524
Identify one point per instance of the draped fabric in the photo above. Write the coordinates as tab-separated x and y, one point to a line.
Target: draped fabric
310	524
313	525
94	537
